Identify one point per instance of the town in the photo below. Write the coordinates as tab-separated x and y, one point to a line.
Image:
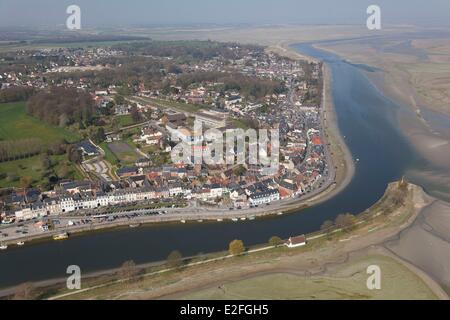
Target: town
129	127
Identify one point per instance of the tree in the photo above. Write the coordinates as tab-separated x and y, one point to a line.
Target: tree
25	291
26	181
135	114
344	221
236	247
46	162
327	226
74	154
175	259
99	135
128	270
119	100
275	241
239	170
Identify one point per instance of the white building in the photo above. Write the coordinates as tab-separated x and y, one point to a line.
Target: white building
264	197
294	242
67	204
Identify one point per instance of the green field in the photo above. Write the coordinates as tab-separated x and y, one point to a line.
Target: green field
109	156
124	151
348	282
16	124
125	120
12	171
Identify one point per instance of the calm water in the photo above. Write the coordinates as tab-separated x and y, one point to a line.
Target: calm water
366	119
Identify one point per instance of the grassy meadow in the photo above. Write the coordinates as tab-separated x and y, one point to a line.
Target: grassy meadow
16	124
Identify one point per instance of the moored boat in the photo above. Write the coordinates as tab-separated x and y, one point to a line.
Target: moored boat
3	246
20	243
61	236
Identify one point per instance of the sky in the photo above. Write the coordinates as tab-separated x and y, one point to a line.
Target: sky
97	13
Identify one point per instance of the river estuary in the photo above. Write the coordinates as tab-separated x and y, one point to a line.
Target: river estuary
366	119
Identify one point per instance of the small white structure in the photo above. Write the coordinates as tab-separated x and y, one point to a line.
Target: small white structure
294	242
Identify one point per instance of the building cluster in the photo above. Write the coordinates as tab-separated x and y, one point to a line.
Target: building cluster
39	63
303	165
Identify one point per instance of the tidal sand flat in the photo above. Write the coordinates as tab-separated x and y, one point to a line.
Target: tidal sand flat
346	282
426	244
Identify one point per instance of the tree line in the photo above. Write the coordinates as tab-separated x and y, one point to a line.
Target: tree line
14	94
18	149
118	71
250	87
188	51
62	106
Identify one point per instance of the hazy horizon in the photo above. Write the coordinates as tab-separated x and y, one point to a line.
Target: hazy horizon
104	13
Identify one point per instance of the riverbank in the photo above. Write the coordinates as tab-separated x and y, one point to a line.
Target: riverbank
324	256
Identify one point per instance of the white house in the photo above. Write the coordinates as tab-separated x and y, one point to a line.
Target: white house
294	242
175	190
216	191
67	204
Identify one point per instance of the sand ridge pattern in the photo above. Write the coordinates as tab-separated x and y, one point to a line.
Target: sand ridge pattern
426	243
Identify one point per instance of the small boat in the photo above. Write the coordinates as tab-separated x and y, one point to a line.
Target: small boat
251	218
243	219
235	219
61	236
20	243
3	246
219	220
135	225
200	221
280	213
183	221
